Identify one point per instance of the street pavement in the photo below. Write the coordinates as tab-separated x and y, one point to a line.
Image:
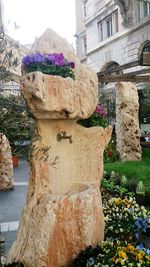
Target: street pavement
11	205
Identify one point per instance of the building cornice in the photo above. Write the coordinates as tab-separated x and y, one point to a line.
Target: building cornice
98	13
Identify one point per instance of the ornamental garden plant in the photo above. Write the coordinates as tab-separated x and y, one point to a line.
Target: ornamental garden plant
125	222
126	225
98	118
16	123
52	64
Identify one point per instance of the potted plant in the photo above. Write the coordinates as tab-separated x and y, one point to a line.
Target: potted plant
52	64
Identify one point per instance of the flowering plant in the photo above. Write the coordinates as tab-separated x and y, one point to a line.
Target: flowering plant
125	219
53	64
120	254
114	254
98	118
110	153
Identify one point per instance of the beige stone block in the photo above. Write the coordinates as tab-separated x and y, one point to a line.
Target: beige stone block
64	213
56	228
65	165
6	165
127	121
56	97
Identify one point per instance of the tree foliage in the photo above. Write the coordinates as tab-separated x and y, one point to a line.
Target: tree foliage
8	61
16	123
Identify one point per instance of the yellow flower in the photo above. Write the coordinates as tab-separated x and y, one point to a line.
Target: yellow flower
130	247
122	254
139	255
113	259
118	201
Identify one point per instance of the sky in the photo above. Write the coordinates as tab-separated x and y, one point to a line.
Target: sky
27	19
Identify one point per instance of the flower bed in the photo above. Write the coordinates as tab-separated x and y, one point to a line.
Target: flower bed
126	225
52	64
125	219
117	185
114	254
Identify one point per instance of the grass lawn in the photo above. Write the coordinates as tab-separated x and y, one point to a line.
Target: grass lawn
140	170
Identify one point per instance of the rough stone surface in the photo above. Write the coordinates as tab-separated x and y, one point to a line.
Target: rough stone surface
6	165
64	166
58	228
63	213
57	97
127	121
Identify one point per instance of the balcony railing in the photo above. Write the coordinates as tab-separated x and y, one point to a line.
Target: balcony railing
10	89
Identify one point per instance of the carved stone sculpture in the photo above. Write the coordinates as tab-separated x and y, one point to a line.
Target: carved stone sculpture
63	213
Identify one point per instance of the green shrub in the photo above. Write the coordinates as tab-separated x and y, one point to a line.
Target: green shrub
98	118
16	123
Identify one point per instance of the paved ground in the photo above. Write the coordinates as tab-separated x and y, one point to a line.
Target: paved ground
12	203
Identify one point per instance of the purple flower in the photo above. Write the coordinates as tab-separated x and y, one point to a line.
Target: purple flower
141	224
72	64
143	248
46	62
136	235
131	210
33	58
100	111
50	59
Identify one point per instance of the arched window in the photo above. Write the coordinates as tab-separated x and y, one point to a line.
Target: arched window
112	67
145	54
146	47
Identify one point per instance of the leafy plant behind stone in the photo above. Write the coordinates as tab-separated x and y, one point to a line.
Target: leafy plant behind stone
16	123
98	118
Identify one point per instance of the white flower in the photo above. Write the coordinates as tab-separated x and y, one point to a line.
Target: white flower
3	260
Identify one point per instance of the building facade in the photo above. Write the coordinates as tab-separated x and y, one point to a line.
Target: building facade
112	33
1	14
18	50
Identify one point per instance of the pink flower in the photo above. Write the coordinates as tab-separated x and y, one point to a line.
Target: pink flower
101	111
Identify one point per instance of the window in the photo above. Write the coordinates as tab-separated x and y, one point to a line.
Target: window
145	54
144	9
84	44
84	9
108	26
116	24
100	31
109	31
146	47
